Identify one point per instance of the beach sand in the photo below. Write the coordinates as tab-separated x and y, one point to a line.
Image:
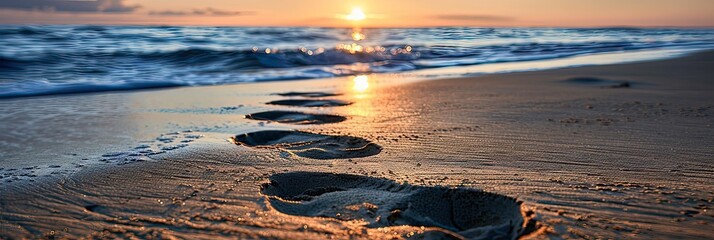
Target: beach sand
616	151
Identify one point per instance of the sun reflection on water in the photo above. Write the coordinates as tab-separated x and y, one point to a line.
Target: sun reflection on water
361	83
357	34
356	47
361	92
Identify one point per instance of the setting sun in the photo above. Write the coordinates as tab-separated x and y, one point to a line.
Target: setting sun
356	15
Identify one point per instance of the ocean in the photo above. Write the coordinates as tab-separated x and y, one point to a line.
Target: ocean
44	60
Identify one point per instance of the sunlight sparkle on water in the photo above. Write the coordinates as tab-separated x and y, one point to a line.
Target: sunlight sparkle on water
357	35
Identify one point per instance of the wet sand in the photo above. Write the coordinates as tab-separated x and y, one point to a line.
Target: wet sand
567	153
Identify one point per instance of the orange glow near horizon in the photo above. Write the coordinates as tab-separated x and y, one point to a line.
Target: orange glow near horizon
395	13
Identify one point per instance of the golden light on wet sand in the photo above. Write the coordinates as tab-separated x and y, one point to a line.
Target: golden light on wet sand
361	83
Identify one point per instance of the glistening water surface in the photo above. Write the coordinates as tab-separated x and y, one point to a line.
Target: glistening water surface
39	60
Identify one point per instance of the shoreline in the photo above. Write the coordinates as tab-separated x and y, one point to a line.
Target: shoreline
330	84
555	139
423	74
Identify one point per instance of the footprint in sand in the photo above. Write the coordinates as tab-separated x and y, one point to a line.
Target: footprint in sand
308	94
310	145
310	103
295	117
471	213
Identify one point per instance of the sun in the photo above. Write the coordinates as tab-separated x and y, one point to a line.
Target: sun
356	15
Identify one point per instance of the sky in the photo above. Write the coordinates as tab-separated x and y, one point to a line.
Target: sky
379	13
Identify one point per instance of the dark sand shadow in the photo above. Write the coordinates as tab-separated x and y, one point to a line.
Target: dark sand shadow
295	117
310	103
308	94
471	213
310	145
599	82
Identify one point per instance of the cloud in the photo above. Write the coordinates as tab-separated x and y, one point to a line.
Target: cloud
74	6
475	18
199	12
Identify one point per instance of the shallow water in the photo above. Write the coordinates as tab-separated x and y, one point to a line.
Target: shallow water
39	60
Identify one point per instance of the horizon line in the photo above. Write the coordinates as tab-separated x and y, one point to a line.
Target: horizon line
347	27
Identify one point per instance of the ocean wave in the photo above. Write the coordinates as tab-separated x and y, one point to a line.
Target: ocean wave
10	63
42	60
26	30
43	88
279	58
